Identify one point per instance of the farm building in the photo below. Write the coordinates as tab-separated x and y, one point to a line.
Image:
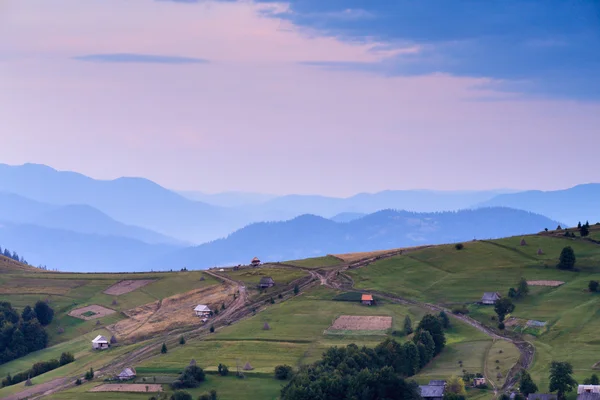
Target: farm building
478	382
490	298
202	310
581	389
266	282
127	374
367	299
588	396
542	396
255	262
100	342
433	391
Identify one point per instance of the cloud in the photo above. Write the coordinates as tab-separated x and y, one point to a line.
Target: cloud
140	58
540	48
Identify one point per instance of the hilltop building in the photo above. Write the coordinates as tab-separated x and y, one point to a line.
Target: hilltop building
202	310
367	299
255	262
490	298
100	343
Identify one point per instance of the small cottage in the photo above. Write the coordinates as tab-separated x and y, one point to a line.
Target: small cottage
100	342
490	298
127	374
255	262
542	396
202	310
478	382
433	391
588	389
266	282
367	299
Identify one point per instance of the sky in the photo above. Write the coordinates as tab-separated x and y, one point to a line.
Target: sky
308	96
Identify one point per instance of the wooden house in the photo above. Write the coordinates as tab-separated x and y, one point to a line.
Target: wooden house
266	282
202	310
127	374
434	391
367	299
100	343
490	298
255	262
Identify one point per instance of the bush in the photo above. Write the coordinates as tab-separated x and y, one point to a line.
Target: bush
459	246
89	375
191	377
212	329
66	358
296	289
283	372
163	349
44	312
78	382
223	370
181	340
280	296
501	326
181	395
593	286
460	310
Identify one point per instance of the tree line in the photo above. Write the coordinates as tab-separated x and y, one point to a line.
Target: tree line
21	334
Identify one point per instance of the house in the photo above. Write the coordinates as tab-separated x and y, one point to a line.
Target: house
433	391
266	282
542	396
127	374
588	396
202	310
255	262
367	299
490	298
100	342
581	389
478	382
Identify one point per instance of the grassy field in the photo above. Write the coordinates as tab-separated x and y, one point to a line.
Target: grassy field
448	276
251	276
501	357
317	262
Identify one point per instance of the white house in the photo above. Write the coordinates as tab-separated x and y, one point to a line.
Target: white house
202	310
127	374
588	389
100	342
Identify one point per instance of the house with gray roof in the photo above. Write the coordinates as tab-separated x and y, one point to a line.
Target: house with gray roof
266	282
127	374
490	298
433	391
588	396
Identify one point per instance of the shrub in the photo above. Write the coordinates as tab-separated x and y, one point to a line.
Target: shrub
78	382
212	395
212	329
163	349
567	258
66	358
460	309
593	286
501	326
191	377
280	296
283	372
89	375
181	340
296	289
181	395
44	312
223	370
459	246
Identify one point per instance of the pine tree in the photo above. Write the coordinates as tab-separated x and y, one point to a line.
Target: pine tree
296	289
567	258
523	288
181	340
408	329
163	349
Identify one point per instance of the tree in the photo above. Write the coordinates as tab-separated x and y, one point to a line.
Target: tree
459	246
296	289
561	380
66	358
526	384
593	286
89	375
163	349
283	372
579	225
456	385
28	314
522	288
593	380
272	300
444	320
567	258
512	293
43	312
584	230
78	382
191	377
212	329
432	324
181	395
502	307
181	340
559	228
408	329
504	396
426	347
223	370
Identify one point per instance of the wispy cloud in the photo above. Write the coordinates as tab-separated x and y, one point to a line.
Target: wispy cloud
140	58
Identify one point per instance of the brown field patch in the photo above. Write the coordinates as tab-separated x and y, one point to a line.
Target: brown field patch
127	387
127	286
361	323
40	286
91	312
545	283
172	312
352	257
514	322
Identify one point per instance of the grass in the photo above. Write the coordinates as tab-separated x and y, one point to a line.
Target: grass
317	262
251	276
507	356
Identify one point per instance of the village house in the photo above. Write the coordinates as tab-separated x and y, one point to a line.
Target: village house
588	392
542	396
588	396
100	342
255	262
367	299
433	391
127	374
490	298
478	382
266	282
202	310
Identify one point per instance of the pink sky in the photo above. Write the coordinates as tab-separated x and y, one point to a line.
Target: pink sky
253	118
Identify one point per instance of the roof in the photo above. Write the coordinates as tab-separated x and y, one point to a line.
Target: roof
541	396
432	391
255	259
588	388
127	372
99	339
490	296
202	307
588	396
266	279
366	297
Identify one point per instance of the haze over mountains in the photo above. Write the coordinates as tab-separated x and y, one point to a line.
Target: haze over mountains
72	222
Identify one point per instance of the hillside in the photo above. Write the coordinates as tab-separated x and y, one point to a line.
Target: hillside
311	236
579	203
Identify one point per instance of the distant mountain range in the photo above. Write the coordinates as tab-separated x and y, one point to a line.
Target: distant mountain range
311	236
